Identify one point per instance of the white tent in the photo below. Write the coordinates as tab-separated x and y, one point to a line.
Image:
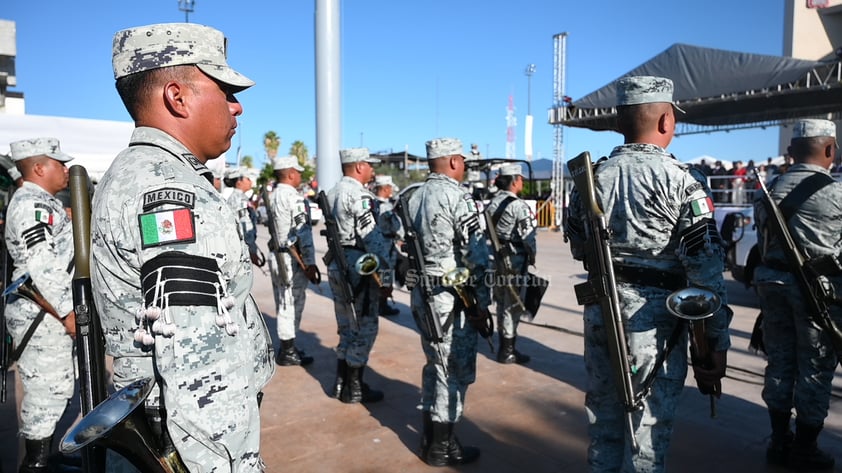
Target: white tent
92	143
710	160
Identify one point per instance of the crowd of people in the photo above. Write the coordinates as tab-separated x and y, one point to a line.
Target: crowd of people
172	271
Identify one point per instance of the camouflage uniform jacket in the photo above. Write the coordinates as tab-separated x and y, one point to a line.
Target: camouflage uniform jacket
39	237
660	217
446	219
515	226
354	210
291	214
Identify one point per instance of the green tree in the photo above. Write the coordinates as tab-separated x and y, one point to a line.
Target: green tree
299	150
271	143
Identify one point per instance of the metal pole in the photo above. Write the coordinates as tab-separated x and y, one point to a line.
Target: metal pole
328	93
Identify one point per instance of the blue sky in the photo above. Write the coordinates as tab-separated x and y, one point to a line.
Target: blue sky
411	71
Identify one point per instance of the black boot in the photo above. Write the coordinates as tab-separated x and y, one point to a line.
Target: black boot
288	354
805	454
780	444
386	309
37	455
341	375
355	390
426	432
445	449
507	353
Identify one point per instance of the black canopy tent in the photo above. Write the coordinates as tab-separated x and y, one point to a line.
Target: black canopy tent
721	89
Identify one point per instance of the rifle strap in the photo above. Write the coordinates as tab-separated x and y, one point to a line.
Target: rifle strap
500	209
800	193
25	340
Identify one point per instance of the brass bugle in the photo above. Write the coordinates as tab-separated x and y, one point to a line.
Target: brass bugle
367	265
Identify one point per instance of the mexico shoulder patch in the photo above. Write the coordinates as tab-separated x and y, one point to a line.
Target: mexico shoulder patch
167	226
702	206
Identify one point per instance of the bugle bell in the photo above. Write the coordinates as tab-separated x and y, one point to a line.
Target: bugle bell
367	265
119	423
693	303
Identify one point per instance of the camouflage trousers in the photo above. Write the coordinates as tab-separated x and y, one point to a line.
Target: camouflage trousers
355	344
289	298
46	368
609	449
800	359
443	393
508	310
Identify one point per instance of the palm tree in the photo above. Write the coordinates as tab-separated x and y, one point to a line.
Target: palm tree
247	161
271	143
299	150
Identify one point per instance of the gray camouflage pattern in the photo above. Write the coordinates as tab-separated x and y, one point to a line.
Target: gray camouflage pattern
810	128
210	378
291	215
143	48
447	222
390	226
239	203
800	360
516	231
43	248
354	210
648	198
643	89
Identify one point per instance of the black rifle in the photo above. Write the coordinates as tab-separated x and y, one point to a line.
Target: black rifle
275	241
89	339
816	288
601	286
429	321
336	253
504	266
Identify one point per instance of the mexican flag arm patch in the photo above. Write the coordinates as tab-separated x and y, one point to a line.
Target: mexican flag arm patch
166	227
702	206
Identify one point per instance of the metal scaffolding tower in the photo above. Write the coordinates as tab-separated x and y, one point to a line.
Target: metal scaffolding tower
558	194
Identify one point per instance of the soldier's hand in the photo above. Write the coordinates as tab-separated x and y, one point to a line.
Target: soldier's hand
257	258
709	377
69	322
313	274
385	292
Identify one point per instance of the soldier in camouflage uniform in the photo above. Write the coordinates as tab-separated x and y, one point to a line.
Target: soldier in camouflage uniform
390	225
39	238
241	181
515	224
446	220
800	359
662	236
170	268
354	210
291	217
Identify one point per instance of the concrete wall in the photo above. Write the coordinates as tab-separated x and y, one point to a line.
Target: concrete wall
814	34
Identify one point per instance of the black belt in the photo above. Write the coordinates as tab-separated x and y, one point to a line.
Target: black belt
649	277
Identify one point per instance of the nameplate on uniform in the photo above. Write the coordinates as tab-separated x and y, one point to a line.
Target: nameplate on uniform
168	195
166	227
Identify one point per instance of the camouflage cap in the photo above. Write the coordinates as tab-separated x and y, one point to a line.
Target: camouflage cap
286	162
240	172
355	155
810	128
446	147
511	170
9	165
38	147
635	90
143	48
383	180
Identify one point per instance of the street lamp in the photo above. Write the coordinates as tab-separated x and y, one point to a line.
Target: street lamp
187	7
530	69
